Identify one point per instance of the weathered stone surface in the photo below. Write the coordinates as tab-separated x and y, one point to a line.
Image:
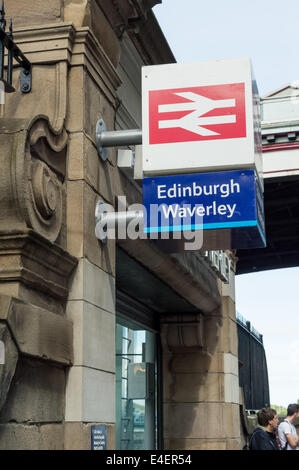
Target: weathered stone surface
220	335
51	437
75	116
28	295
44	100
183	332
38	332
19	437
90	395
192	388
93	285
43	12
196	266
86	13
31	437
96	106
213	325
233	444
35	262
231	364
99	175
190	363
229	337
36	394
102	255
232	420
194	420
75	228
94	335
41	333
228	308
228	290
7	370
231	386
32	191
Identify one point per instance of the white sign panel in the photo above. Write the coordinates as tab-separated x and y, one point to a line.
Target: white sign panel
200	117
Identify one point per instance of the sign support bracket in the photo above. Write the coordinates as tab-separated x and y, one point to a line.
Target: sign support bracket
112	219
105	139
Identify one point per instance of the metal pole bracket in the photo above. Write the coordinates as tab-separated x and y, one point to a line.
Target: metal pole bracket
119	138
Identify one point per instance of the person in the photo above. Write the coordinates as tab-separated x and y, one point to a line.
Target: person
263	437
286	429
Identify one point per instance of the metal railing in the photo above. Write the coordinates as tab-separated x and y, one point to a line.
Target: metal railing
13	52
247	325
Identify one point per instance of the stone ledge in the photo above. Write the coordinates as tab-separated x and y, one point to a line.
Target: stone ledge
37	332
46	43
52	43
29	258
179	277
88	52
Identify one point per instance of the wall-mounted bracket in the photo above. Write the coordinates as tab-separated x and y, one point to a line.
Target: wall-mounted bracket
25	79
105	139
105	220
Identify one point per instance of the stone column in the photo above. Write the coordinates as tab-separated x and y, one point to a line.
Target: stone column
54	273
200	378
92	84
35	270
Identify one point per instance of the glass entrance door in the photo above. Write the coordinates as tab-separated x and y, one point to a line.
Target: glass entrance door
136	387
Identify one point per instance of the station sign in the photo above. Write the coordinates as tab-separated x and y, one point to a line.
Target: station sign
227	206
200	117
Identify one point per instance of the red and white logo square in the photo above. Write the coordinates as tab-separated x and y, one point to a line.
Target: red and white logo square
197	113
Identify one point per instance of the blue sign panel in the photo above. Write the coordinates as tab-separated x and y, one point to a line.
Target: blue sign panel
98	438
209	201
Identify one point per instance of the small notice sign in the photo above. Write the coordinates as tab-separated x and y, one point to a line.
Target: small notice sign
98	438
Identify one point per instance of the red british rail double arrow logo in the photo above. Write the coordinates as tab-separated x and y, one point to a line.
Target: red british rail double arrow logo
197	113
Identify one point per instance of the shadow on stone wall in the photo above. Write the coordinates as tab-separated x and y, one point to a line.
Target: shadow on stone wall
194	415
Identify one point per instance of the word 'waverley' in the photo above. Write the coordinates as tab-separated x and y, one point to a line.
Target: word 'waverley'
220	200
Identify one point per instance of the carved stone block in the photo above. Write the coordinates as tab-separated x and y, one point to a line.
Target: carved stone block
7	369
37	332
181	332
36	394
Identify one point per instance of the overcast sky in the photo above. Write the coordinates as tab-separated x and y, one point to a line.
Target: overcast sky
268	32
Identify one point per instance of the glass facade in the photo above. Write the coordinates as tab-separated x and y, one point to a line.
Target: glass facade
136	387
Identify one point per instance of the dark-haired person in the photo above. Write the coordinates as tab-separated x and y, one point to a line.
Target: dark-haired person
263	437
287	431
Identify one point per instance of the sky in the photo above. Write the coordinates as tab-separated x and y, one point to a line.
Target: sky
268	32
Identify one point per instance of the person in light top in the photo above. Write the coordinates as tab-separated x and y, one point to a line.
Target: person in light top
286	430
